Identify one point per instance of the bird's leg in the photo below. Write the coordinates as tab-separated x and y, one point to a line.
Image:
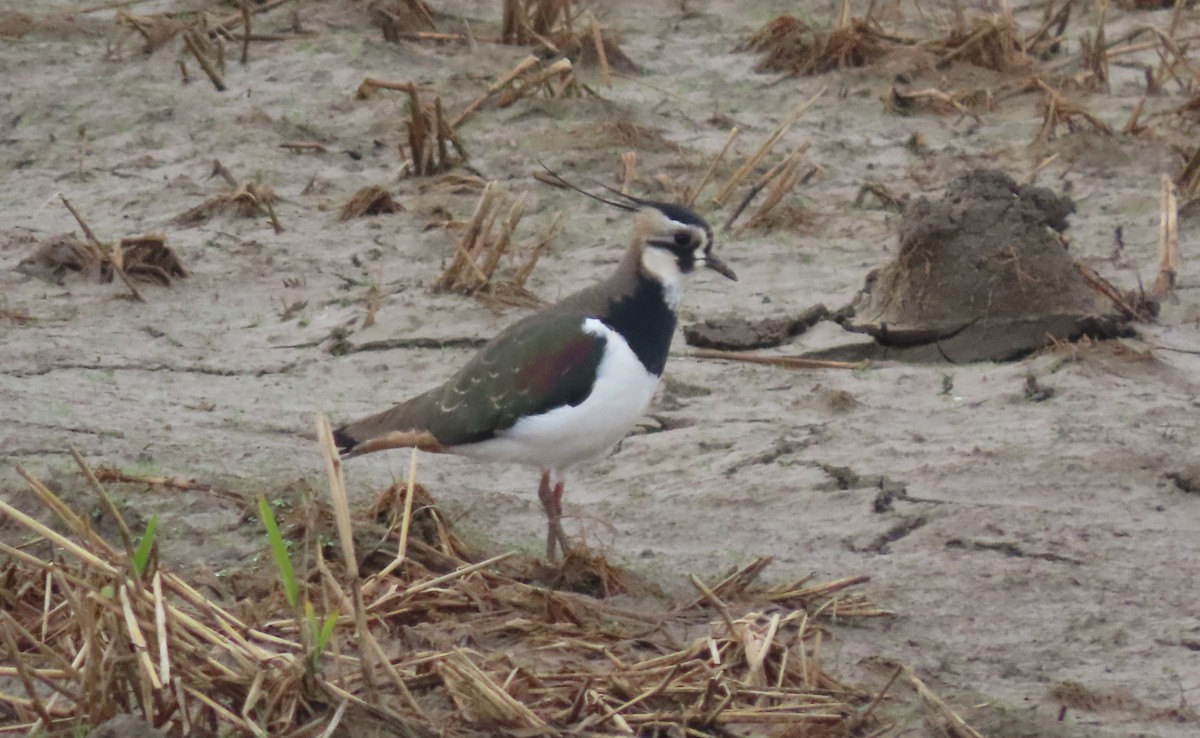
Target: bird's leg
558	531
553	510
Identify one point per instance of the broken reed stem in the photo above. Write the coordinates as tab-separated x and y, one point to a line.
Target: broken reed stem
501	244
561	68
229	22
628	170
712	167
405	524
951	722
785	177
87	230
753	161
522	273
1033	173
601	54
189	40
715	601
370	84
865	714
104	254
341	512
49	499
1168	242
788	362
341	515
122	527
522	66
245	32
463	254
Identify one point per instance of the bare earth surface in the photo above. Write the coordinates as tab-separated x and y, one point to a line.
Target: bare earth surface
1041	541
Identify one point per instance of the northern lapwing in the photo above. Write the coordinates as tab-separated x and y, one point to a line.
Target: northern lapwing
568	382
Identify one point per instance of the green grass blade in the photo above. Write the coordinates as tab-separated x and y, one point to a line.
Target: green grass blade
326	631
279	551
141	557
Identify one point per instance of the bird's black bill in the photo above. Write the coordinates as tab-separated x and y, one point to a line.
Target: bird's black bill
719	267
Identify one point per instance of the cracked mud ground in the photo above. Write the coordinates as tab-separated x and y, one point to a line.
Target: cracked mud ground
1027	541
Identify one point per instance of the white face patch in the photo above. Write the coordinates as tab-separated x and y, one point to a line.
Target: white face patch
664	267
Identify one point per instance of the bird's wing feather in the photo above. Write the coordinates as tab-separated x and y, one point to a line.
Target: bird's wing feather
534	366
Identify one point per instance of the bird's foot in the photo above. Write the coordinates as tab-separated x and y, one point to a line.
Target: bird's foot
551	498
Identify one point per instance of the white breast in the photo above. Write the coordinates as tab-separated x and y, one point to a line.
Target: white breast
570	434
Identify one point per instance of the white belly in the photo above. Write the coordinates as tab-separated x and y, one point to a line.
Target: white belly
570	434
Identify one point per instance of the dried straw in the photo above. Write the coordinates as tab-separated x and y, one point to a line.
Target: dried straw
1168	242
87	637
478	253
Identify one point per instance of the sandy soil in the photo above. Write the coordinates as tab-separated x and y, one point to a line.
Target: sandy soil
1041	549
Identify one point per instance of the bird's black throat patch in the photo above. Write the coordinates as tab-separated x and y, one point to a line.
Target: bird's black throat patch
645	321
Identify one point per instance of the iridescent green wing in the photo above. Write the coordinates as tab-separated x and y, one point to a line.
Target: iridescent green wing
536	365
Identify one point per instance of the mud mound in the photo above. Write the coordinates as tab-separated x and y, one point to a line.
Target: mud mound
982	275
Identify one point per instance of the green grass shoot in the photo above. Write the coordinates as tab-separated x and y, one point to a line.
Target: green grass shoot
279	551
141	556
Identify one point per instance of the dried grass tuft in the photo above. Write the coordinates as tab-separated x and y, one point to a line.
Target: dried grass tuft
989	41
155	30
1057	111
527	22
530	77
596	48
908	102
789	45
397	19
244	200
370	200
430	644
142	258
1188	180
430	138
483	246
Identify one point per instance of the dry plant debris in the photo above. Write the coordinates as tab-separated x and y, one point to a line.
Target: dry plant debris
527	22
479	252
1188	180
988	41
1168	242
531	76
203	36
907	102
1057	111
629	135
245	200
145	258
595	48
370	200
156	30
788	44
401	19
429	644
430	138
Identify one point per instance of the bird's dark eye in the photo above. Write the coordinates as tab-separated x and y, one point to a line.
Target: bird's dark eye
683	239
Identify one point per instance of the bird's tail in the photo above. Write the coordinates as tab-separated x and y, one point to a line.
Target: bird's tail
403	426
344	439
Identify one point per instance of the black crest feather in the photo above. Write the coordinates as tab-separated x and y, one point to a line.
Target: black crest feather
629	203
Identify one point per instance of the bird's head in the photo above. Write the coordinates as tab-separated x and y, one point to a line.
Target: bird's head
675	243
670	242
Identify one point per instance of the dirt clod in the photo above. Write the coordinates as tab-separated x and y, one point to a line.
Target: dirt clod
739	334
982	275
1187	479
